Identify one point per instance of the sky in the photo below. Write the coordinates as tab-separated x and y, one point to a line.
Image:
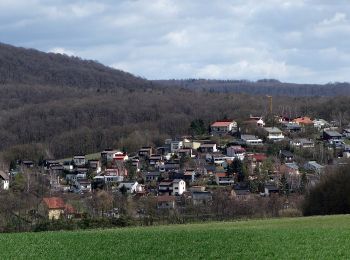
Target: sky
302	41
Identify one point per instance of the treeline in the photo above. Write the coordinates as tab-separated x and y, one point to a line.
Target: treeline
261	87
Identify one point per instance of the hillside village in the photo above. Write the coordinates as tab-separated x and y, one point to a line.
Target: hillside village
260	157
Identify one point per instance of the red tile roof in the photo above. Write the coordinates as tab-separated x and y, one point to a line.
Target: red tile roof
54	203
221	124
259	157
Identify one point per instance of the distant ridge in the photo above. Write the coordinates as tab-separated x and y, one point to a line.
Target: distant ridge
261	87
29	66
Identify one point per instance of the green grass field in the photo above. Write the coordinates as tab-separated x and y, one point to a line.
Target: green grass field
298	238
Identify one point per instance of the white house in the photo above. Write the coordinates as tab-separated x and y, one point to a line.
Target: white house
236	151
223	127
131	186
4	181
274	133
176	145
179	187
320	123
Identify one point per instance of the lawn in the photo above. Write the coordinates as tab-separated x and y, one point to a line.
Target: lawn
298	238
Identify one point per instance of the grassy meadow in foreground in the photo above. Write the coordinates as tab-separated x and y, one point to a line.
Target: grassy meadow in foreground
312	238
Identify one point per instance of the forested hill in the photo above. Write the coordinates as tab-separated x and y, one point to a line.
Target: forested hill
29	66
261	87
55	106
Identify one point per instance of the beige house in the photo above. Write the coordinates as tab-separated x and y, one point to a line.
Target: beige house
56	208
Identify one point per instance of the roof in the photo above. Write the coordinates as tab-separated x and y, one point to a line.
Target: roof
259	157
208	145
332	133
177	180
165	183
249	137
303	120
4	176
54	203
286	153
273	129
221	124
220	174
165	198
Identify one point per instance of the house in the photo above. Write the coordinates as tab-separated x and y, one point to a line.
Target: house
165	187
56	208
175	145
346	151
256	159
236	152
221	178
291	127
304	121
165	202
320	123
346	132
151	176
257	120
208	148
179	187
169	166
302	143
155	159
79	160
191	144
251	140
291	171
145	151
108	155
130	186
185	152
201	197
286	156
120	157
331	135
175	187
28	164
189	175
95	165
314	167
274	133
270	189
4	181
223	127
241	192
68	166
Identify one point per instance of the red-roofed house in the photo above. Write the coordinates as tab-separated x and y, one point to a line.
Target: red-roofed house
303	121
223	127
55	208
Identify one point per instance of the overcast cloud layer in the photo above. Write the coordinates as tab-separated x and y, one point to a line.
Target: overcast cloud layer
294	41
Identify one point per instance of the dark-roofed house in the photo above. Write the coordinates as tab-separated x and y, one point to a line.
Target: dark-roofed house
286	156
331	135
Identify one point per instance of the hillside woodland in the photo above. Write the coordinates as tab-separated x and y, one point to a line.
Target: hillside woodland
56	106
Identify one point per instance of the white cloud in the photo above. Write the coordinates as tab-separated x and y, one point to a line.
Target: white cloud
61	51
336	19
291	40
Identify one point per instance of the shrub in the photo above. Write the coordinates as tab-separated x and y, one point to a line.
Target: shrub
331	195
